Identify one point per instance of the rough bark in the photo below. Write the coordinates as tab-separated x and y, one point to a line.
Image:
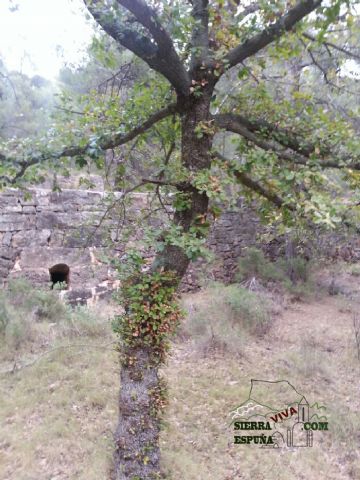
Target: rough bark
159	54
137	436
261	40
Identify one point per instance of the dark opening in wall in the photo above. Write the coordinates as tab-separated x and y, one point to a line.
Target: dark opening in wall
60	273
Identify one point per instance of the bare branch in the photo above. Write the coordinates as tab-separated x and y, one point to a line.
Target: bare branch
284	24
317	64
181	186
8	79
332	45
117	80
159	182
69	110
159	55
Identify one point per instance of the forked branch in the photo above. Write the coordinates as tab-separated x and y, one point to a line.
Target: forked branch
159	53
289	150
345	51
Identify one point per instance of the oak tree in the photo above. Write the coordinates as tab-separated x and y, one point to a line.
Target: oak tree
228	115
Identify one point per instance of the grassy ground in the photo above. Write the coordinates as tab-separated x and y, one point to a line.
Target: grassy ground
311	345
58	408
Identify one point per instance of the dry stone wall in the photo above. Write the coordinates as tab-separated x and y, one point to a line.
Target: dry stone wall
40	229
233	232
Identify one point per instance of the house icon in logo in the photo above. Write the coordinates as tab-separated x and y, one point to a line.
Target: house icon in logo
297	436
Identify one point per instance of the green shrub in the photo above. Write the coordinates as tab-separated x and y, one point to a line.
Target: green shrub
30	315
60	286
48	306
250	309
43	304
295	268
83	322
355	271
4	314
292	273
18	289
223	317
17	332
255	264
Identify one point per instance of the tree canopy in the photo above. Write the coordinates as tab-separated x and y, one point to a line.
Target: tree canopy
282	108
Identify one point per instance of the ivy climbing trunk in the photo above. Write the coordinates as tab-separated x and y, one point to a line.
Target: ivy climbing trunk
148	321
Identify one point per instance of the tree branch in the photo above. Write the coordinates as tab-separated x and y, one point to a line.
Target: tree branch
284	24
103	144
282	135
332	45
200	36
159	55
148	18
121	139
8	79
252	8
256	187
293	154
161	182
317	64
232	125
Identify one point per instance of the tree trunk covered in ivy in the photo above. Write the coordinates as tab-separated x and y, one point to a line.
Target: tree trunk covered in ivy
142	391
137	436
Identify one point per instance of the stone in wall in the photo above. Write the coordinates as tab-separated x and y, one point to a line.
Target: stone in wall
229	236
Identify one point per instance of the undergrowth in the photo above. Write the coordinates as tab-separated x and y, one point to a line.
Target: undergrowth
223	317
292	274
31	316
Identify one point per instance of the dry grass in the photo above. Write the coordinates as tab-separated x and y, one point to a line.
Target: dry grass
57	390
57	415
312	346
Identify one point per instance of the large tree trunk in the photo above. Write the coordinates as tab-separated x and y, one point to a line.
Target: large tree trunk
137	436
141	399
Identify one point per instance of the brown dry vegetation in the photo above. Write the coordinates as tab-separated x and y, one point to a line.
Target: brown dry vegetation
57	414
